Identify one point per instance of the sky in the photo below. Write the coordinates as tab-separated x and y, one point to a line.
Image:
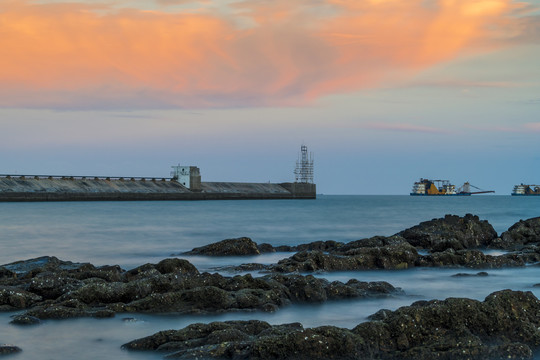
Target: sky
383	92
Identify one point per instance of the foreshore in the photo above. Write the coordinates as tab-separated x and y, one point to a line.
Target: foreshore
505	325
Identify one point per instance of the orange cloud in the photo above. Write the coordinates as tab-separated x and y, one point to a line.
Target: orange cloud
258	53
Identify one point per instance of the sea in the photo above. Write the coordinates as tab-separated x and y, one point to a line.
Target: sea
131	234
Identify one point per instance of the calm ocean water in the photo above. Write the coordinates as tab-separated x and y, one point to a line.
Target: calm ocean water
133	233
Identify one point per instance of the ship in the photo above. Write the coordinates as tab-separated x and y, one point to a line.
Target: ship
427	187
526	190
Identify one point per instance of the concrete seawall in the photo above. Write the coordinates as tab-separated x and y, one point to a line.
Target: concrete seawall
36	188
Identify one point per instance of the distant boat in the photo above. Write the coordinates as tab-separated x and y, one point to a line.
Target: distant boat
426	187
526	190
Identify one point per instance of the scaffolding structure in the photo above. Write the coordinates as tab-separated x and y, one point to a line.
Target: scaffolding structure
304	167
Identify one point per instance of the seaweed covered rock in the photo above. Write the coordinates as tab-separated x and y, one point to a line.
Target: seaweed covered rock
451	232
506	325
524	232
227	247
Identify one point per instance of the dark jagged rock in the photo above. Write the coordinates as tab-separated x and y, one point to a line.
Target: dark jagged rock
25	320
471	259
524	232
481	273
398	256
228	247
352	247
9	349
51	286
168	266
392	253
43	264
13	298
172	285
325	246
265	248
451	232
505	325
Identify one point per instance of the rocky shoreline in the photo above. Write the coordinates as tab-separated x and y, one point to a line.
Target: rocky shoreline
49	288
451	241
53	289
506	325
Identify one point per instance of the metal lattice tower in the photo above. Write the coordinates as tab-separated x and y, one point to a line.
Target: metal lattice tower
304	167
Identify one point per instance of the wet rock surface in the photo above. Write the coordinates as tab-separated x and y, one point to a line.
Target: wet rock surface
524	232
451	232
25	320
59	289
391	257
398	256
481	273
451	241
9	349
506	325
228	247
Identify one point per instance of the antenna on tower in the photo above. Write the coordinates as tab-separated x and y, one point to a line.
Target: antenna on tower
304	167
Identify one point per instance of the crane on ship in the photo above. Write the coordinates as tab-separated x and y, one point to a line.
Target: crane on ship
466	189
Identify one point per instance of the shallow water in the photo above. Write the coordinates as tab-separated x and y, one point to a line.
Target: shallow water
134	233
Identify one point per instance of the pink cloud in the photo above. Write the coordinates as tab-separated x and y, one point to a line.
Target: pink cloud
535	127
259	53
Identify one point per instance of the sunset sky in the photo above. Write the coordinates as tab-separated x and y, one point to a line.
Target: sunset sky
383	92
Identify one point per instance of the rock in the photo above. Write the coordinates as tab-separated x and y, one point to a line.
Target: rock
521	233
325	246
49	285
380	315
172	285
45	263
12	298
25	320
505	325
6	273
395	257
481	273
9	349
266	248
181	266
469	258
451	232
228	247
375	241
141	272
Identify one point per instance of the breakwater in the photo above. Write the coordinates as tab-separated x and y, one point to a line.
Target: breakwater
85	188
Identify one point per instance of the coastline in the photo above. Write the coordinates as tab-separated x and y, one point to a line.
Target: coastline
82	290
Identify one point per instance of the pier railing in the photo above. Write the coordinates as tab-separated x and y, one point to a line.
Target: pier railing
79	177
